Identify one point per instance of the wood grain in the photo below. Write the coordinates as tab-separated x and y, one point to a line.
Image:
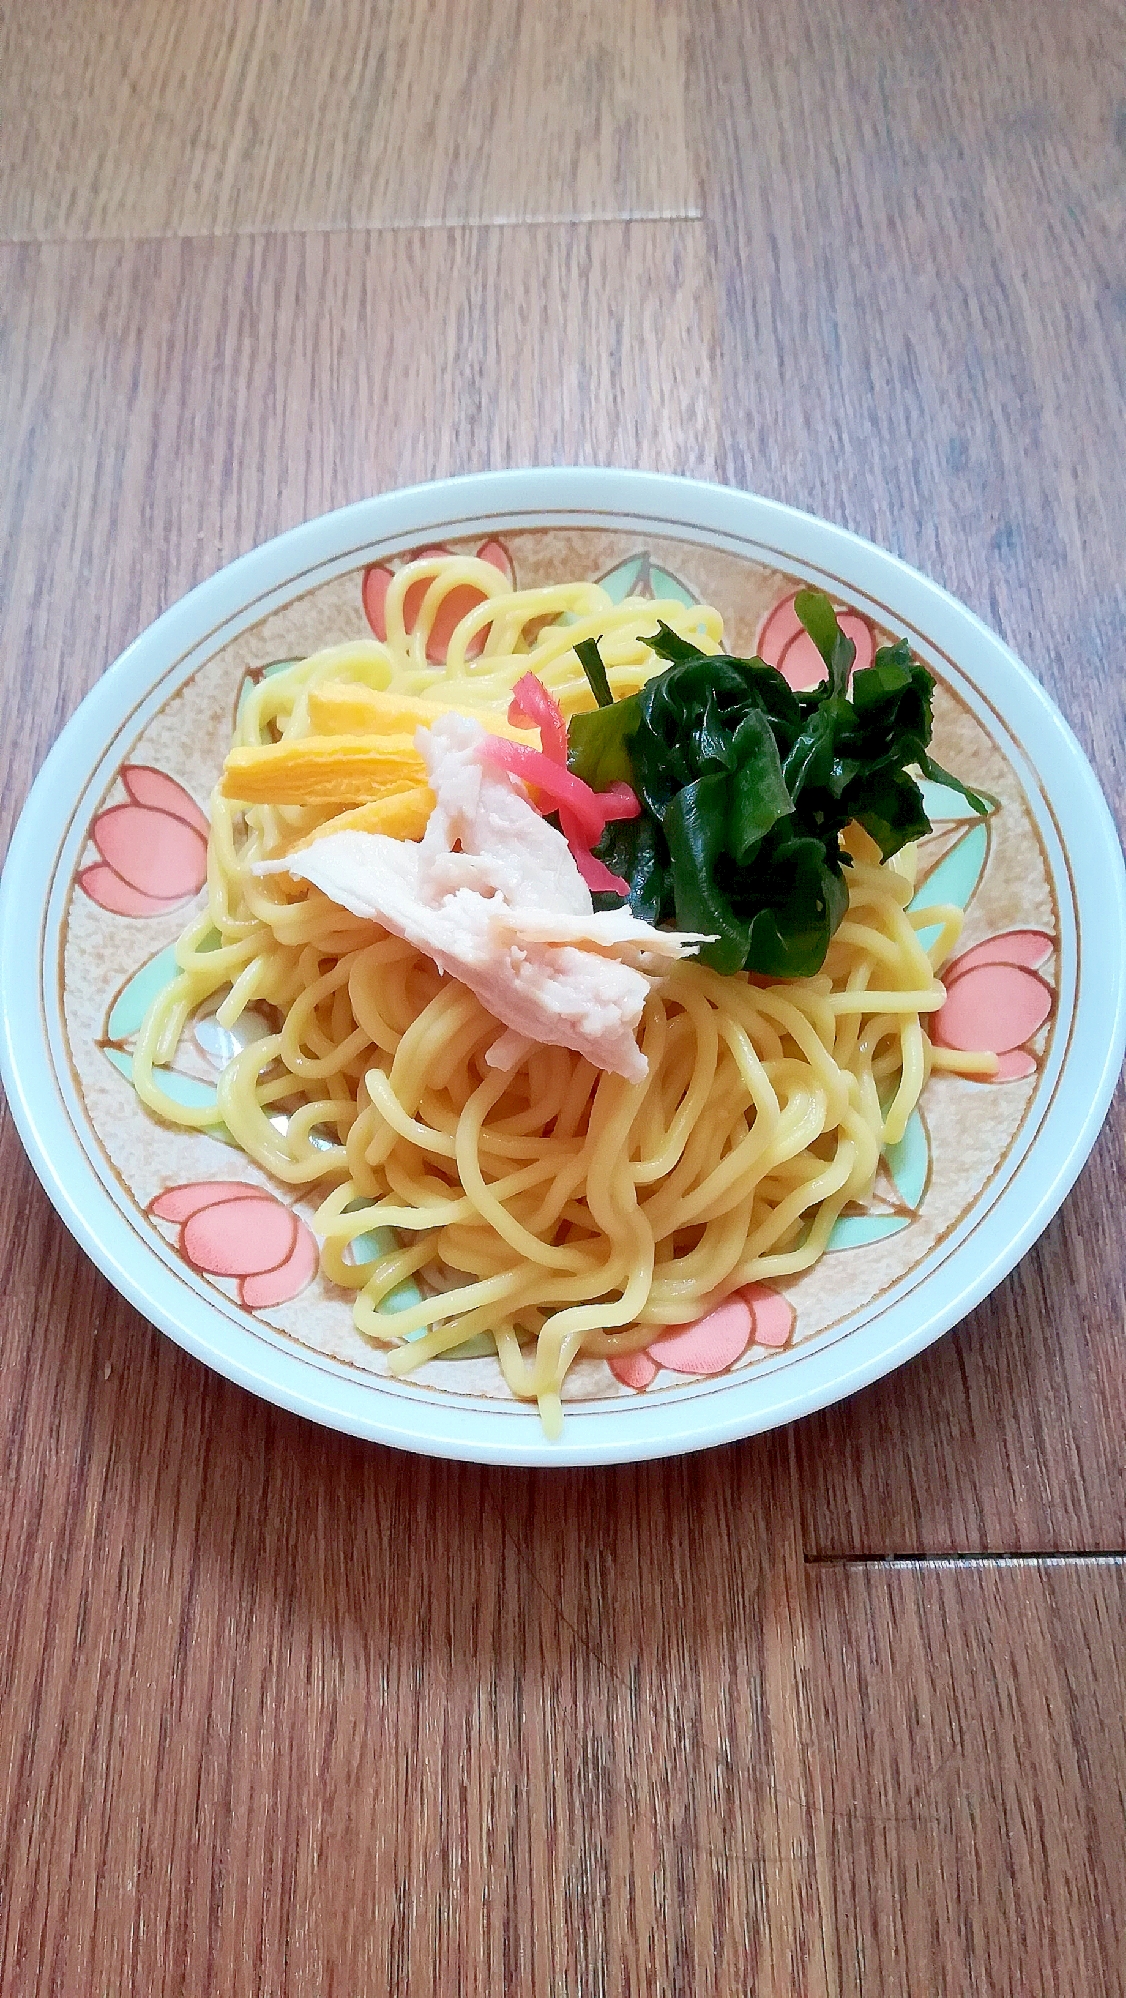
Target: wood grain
172	404
1006	1437
920	239
135	120
974	1758
281	1713
256	1649
287	1713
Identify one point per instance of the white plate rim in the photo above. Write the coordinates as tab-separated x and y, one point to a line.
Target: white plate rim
661	1427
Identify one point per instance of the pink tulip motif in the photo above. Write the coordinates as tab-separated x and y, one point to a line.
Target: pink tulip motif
758	1315
153	848
458	604
228	1229
784	642
995	1000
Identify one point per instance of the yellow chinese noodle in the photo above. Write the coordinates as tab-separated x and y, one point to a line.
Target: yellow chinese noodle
559	1209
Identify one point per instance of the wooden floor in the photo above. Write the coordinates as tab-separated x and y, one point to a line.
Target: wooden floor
835	1711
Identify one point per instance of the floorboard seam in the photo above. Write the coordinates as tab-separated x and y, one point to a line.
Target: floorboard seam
593	219
1109	1557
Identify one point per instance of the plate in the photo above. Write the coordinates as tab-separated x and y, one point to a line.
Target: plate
108	860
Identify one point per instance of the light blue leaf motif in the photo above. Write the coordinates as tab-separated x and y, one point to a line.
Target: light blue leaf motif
908	1164
133	1001
942	803
378	1242
478	1346
957	874
909	1161
368	1248
185	1089
127	1014
639	576
954	879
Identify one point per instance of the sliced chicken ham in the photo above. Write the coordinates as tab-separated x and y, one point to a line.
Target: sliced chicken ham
492	893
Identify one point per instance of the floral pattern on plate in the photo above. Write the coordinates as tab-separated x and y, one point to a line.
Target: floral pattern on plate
758	1315
784	642
152	848
377	581
225	1228
245	1237
996	999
